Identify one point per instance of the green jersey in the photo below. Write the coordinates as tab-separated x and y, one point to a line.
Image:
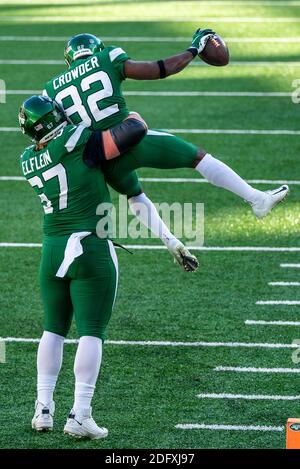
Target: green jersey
69	190
90	90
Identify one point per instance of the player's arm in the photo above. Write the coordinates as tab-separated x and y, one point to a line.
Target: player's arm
113	142
154	70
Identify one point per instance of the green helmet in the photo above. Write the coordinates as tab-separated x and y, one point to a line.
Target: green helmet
41	118
82	45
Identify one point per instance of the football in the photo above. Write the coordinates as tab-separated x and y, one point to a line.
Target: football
215	52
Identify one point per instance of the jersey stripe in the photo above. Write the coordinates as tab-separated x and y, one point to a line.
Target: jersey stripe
115	53
115	261
73	140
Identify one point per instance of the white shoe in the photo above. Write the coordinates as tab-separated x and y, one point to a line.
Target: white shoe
43	417
182	255
82	425
264	205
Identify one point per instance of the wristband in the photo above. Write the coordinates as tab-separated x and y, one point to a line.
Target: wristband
162	69
193	51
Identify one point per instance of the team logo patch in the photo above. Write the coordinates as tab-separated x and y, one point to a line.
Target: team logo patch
295	427
38	127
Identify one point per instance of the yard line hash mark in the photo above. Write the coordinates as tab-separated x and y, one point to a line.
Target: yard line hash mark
241	369
202	426
248	397
278	302
261	322
284	284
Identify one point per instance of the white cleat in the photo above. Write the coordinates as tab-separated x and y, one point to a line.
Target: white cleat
265	204
82	425
182	255
43	417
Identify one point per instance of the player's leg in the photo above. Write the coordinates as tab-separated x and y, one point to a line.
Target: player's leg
165	151
127	183
93	291
58	315
221	175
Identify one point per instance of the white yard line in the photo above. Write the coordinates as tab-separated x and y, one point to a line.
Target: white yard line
197	64
261	322
234	131
205	131
148	19
199	180
240	369
254	63
290	266
284	284
180	180
202	426
12	178
249	397
171	39
278	302
167	343
238	94
194	248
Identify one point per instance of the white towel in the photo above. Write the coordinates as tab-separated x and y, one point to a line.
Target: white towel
73	249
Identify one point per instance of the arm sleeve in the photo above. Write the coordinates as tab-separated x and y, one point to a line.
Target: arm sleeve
118	57
93	154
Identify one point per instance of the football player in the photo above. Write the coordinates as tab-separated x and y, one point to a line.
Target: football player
78	270
90	93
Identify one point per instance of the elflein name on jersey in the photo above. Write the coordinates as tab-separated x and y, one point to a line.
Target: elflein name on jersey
36	163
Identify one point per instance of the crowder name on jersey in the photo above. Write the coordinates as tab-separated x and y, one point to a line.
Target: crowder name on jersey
76	72
36	163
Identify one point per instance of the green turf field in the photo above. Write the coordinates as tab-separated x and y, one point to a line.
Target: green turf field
146	390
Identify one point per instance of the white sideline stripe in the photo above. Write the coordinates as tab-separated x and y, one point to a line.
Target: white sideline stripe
292	266
246	40
251	322
203	426
151	19
278	302
205	131
176	180
167	343
250	397
284	284
240	369
258	94
197	64
194	248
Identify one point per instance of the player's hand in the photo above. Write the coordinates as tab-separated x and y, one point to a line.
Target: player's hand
200	39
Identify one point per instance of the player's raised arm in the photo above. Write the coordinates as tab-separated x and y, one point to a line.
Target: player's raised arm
154	70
